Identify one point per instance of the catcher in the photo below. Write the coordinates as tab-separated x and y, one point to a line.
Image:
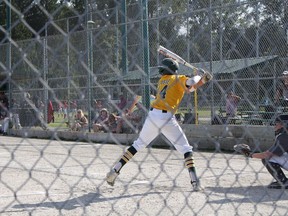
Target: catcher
276	157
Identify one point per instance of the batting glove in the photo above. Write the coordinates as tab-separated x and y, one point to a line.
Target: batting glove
207	77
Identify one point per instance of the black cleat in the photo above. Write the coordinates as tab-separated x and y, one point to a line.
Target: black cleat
196	186
278	185
111	177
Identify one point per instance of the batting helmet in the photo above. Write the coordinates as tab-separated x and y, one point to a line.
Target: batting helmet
168	67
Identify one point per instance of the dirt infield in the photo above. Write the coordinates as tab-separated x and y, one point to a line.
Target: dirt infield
44	177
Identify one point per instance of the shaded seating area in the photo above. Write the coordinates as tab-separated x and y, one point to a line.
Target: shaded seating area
30	118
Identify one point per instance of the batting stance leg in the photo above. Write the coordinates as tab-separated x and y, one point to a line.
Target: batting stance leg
112	175
174	133
158	122
189	163
149	132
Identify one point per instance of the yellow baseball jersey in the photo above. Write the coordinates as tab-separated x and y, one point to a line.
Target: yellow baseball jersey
170	91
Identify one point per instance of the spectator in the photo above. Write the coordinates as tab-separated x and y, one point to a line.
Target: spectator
99	105
4	102
27	102
35	101
74	107
25	110
14	108
122	103
112	123
65	109
41	106
4	115
96	109
80	122
101	123
50	112
132	122
232	101
281	97
60	109
34	116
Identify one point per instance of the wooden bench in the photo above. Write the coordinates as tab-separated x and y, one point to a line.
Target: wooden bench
223	119
257	117
250	117
186	116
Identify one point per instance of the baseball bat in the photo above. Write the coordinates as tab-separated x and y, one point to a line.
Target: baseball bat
168	53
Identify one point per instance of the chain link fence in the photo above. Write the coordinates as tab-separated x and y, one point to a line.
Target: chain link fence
109	51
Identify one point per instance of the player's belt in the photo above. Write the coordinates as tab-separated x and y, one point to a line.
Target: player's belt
163	111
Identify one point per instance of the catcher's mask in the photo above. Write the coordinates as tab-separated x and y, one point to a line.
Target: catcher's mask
282	119
168	67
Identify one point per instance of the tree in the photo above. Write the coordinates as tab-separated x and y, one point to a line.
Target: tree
29	17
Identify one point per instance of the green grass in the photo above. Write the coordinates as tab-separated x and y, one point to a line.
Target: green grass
58	121
204	113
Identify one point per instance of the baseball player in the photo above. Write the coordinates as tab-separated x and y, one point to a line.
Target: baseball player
276	157
4	116
161	119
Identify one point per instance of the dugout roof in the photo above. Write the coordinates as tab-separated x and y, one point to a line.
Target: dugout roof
218	67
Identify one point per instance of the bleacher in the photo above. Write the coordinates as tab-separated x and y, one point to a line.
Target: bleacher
264	116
